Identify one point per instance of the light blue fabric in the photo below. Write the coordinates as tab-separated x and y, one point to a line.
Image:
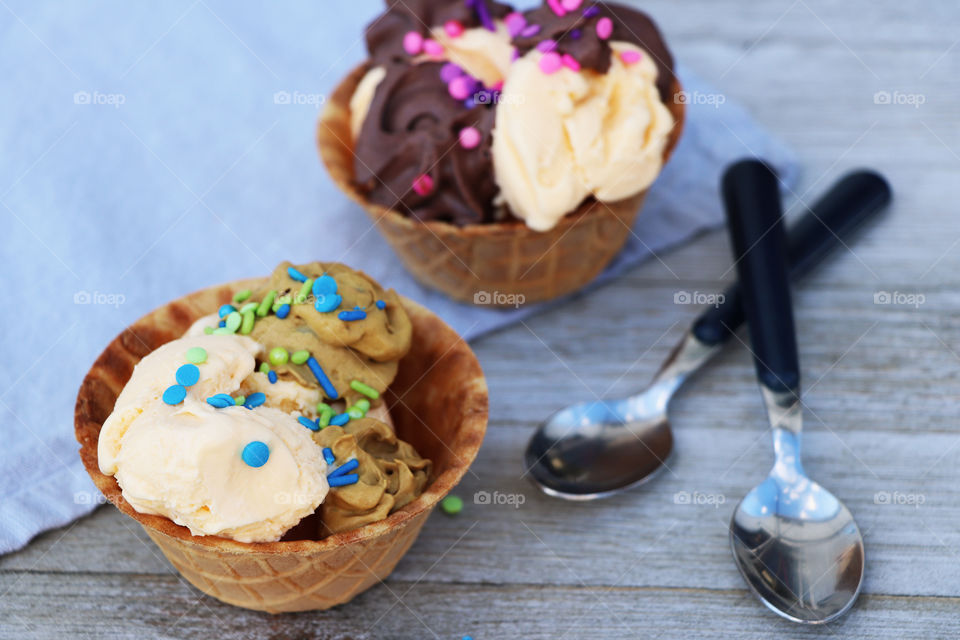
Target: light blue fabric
151	149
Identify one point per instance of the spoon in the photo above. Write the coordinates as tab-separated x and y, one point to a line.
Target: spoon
796	545
597	449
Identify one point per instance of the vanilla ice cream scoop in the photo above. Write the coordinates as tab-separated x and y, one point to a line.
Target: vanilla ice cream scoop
563	134
245	474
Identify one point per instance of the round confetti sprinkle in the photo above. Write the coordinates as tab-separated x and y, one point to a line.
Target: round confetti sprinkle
381	304
451	505
327	302
308	423
196	355
450	71
175	394
325	284
630	57
453	28
551	62
412	43
242	295
299	357
256	454
188	375
255	400
460	87
469	139
279	356
423	184
226	309
283	311
220	401
233	321
272	377
570	62
294	273
604	28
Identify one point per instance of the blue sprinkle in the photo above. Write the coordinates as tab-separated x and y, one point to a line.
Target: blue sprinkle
328	455
188	375
322	378
226	310
350	316
255	400
222	324
272	377
174	394
220	401
327	302
340	419
296	275
283	311
342	481
345	468
256	454
308	423
324	285
381	304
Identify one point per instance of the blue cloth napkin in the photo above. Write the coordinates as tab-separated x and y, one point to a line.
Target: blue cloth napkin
151	149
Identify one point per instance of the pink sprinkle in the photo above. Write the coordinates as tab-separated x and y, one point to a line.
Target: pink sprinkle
460	88
571	5
557	8
530	30
570	62
551	62
433	48
453	28
469	137
423	184
515	23
413	43
498	86
604	28
630	57
546	45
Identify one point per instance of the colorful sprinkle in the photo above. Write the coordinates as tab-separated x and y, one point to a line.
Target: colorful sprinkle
340	419
423	184
174	394
570	62
450	71
460	87
272	377
283	311
515	23
278	356
221	324
381	304
453	28
630	57
557	8
208	330
451	505
591	11
480	7
222	331
342	481
325	418
256	454
246	327
412	43
308	423
545	46
571	5
530	30
196	355
551	62
328	455
255	400
323	285
188	375
344	469
299	357
250	306
604	28
264	367
322	378
432	48
220	401
351	316
365	389
233	321
575	34
327	302
239	400
225	310
267	303
242	295
323	406
355	413
295	274
363	404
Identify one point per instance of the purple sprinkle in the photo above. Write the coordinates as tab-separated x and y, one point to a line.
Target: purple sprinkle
515	55
480	7
530	30
545	46
450	71
589	12
470	103
575	34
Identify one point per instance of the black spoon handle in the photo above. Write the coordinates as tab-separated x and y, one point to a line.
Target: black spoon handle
852	200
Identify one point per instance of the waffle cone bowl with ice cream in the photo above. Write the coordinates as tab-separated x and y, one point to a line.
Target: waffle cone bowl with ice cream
437	403
467	238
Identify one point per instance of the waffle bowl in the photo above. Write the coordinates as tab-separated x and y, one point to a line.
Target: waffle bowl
489	264
438	403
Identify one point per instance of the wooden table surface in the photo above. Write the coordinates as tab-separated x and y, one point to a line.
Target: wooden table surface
880	382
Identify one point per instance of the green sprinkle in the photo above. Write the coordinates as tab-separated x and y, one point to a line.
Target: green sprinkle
279	356
240	296
239	400
208	330
197	355
324	420
299	357
323	406
248	319
264	307
250	306
264	367
223	331
365	389
233	321
304	291
451	505
355	413
282	300
363	404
